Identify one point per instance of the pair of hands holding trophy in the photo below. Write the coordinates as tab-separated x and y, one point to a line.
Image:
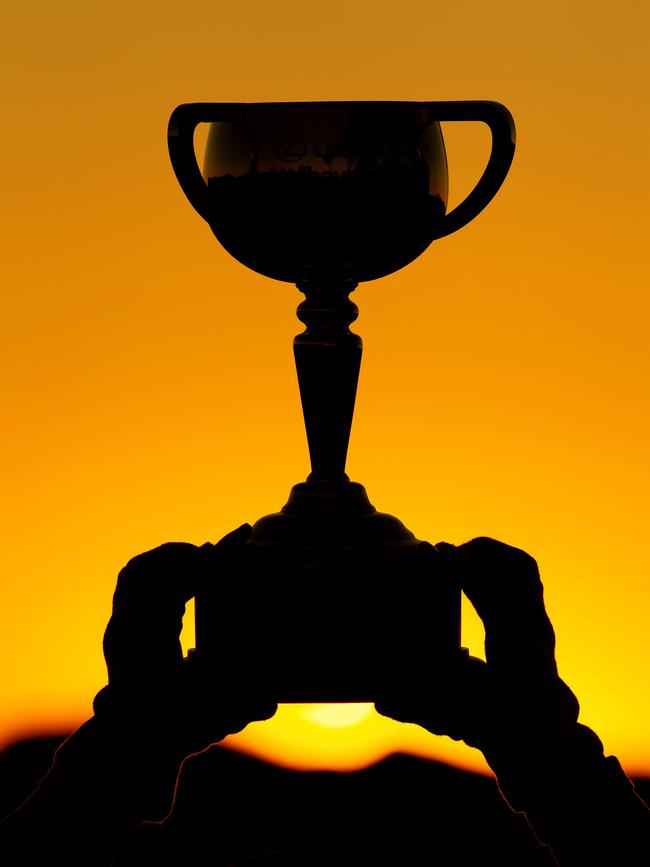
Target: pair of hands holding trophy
485	704
513	707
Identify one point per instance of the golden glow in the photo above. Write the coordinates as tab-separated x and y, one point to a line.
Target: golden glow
336	716
305	737
504	387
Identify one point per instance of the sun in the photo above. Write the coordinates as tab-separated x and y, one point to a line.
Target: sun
336	716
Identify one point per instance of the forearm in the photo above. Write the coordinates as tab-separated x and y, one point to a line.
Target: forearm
103	783
578	801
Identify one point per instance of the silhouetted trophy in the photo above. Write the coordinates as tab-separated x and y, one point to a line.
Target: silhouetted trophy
330	600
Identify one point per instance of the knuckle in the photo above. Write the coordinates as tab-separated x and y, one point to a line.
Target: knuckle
516	560
142	566
164	576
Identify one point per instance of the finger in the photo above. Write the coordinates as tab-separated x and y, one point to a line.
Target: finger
142	636
504	586
211	723
143	633
456	703
170	575
235	537
219	555
165	577
210	708
183	711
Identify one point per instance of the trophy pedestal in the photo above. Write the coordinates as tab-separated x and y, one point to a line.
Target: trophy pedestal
329	601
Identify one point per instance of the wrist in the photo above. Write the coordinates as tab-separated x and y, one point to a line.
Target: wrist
102	784
125	766
530	758
145	728
577	800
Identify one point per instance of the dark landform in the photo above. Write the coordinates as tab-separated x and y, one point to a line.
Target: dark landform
402	811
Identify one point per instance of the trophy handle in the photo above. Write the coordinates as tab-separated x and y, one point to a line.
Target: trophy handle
502	127
180	141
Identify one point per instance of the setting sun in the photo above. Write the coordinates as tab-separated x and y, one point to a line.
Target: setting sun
336	716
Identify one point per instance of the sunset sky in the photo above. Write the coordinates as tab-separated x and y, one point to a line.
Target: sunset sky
504	385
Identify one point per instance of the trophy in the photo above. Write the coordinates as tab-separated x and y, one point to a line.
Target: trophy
329	600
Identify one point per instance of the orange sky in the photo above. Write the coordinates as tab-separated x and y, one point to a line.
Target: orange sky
504	384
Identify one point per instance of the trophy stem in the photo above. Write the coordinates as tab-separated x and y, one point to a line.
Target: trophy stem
328	357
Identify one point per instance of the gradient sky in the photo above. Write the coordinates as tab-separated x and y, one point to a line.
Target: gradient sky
504	387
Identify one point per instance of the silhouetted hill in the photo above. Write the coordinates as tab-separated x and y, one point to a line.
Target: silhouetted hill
402	811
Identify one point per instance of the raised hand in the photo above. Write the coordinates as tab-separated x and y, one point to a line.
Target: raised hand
150	684
516	709
517	691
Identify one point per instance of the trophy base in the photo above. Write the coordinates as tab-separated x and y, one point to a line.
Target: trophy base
326	515
329	601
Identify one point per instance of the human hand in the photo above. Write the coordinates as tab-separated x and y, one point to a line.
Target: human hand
516	696
151	689
515	708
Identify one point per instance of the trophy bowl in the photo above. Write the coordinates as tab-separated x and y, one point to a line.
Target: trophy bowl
353	189
329	600
357	192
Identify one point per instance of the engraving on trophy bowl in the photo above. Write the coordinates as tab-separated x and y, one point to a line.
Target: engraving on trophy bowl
357	194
